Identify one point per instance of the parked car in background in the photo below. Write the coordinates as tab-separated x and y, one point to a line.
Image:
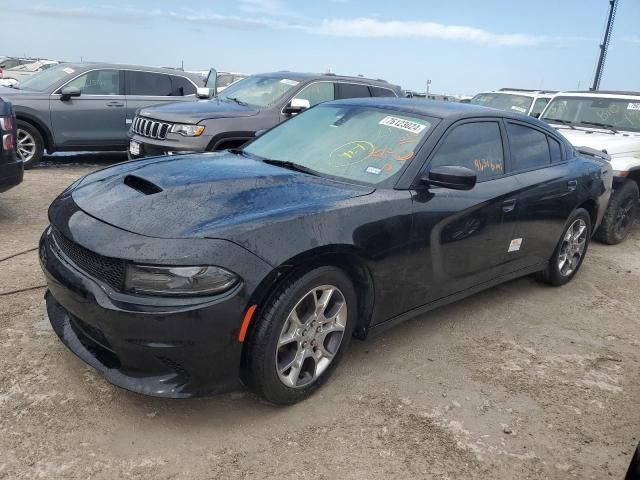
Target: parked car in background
608	121
223	80
11	76
89	106
11	170
185	275
528	102
232	118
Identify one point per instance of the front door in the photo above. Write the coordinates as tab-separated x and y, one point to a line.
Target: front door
462	238
94	119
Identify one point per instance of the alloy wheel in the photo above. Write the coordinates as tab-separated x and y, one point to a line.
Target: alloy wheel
572	248
311	336
26	146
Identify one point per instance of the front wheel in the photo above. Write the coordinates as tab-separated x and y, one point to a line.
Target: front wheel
620	214
301	335
570	251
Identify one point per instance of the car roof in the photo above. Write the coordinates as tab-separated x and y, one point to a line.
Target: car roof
82	67
305	76
599	93
524	93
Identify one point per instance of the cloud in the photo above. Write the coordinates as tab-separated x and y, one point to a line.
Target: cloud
273	14
374	28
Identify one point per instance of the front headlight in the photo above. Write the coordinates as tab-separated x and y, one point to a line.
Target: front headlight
179	281
187	130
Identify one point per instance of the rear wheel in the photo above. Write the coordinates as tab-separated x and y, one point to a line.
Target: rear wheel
30	146
570	251
301	335
620	214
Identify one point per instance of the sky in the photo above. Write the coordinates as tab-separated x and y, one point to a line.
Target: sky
462	46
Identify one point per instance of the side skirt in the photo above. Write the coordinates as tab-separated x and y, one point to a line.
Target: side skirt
381	327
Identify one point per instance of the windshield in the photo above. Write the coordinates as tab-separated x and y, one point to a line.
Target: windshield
41	81
367	145
619	113
259	91
503	101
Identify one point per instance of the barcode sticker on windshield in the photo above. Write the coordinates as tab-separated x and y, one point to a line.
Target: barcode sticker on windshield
633	106
286	81
402	124
519	109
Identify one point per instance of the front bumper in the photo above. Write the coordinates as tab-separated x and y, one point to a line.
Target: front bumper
173	144
165	347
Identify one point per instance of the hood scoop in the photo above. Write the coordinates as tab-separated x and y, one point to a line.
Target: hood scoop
141	185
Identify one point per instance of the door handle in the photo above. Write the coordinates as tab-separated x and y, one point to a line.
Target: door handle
572	185
115	104
509	205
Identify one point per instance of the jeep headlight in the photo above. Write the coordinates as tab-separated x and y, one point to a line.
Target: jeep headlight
179	281
187	130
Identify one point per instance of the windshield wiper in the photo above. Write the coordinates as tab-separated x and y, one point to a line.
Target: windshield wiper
291	166
563	122
237	100
601	125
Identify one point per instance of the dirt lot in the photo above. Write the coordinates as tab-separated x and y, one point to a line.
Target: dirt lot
521	381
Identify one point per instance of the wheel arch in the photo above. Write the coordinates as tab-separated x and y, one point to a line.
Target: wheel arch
40	126
345	257
591	206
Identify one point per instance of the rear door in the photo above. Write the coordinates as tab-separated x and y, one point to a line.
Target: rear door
150	88
548	191
461	238
96	117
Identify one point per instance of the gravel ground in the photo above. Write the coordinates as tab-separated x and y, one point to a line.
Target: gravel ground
520	381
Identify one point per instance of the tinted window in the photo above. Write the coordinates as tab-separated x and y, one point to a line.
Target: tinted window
98	82
382	92
352	90
317	92
181	87
529	147
150	84
477	146
554	148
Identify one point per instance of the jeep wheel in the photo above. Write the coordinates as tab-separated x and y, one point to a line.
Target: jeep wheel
620	214
30	146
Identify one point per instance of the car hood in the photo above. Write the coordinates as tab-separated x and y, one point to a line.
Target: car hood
613	144
204	195
15	95
194	112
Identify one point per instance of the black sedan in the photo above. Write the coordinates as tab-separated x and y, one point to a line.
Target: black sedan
11	168
188	275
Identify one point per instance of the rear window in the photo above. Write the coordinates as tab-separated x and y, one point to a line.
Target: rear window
529	147
148	84
352	90
554	149
382	92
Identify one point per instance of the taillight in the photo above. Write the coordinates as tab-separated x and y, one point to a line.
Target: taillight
7	142
6	124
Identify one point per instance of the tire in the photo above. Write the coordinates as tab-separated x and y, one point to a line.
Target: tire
558	273
274	373
29	137
620	214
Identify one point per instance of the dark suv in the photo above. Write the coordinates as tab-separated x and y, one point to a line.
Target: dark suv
256	103
11	170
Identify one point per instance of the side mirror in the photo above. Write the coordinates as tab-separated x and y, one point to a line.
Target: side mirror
204	92
296	106
453	177
67	92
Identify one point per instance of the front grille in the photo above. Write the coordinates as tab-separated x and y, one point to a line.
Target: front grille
109	270
150	128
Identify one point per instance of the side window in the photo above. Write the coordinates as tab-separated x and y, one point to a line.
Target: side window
98	82
180	87
477	146
554	148
149	84
317	92
529	147
382	92
538	107
352	90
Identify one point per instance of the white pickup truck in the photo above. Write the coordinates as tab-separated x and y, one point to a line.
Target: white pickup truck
610	122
